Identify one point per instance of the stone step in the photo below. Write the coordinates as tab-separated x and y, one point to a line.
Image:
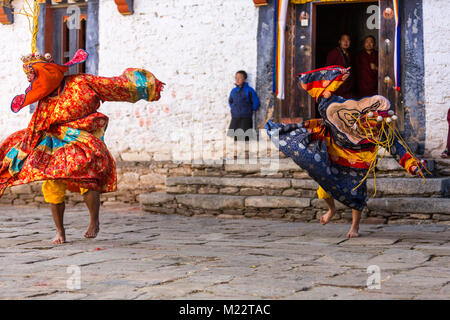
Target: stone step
250	186
379	210
267	166
227	206
415	205
221	202
431	187
286	168
442	166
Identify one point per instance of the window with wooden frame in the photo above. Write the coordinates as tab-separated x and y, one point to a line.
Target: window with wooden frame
65	32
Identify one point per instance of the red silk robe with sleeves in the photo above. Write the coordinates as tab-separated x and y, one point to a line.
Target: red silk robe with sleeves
64	139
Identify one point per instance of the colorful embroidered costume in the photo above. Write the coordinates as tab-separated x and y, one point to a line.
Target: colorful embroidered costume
64	139
339	150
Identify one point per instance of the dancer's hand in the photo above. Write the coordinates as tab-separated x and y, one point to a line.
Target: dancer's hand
346	73
327	94
417	171
31	76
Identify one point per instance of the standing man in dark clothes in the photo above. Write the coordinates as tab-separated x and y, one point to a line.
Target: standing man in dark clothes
367	69
243	101
341	56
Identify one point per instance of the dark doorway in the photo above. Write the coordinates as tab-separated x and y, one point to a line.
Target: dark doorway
313	29
62	41
334	20
309	41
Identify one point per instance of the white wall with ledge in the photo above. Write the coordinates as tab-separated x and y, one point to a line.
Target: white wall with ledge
437	69
15	41
195	47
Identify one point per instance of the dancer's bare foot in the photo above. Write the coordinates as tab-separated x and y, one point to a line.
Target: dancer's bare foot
92	199
353	233
58	218
92	231
60	237
356	217
327	217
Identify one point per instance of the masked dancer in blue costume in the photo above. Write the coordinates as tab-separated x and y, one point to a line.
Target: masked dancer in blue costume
340	149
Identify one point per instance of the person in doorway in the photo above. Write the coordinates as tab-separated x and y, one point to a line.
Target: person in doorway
341	56
367	68
243	101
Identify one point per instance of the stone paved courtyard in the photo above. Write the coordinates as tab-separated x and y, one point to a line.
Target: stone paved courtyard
144	256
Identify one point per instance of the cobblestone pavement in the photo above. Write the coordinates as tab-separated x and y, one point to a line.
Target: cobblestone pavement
144	256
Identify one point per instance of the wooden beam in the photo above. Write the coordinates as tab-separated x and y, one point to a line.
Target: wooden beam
305	56
6	15
125	7
48	30
259	3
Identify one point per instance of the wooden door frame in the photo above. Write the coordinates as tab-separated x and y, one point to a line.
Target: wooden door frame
307	60
386	72
46	26
58	16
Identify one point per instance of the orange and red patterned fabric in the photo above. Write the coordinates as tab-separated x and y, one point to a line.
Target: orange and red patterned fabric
316	82
48	77
64	139
344	156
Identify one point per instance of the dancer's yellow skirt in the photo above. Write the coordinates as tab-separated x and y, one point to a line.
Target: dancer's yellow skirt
322	193
55	191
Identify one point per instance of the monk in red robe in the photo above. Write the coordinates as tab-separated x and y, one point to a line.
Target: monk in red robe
367	68
340	56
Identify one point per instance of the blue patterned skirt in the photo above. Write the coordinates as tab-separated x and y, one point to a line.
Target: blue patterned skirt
312	155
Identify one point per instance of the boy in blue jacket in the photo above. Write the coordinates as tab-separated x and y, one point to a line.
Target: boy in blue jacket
243	101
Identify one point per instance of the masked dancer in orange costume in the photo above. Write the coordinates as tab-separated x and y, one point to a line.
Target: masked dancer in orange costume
63	143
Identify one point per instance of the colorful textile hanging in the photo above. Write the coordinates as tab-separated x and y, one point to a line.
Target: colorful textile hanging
279	48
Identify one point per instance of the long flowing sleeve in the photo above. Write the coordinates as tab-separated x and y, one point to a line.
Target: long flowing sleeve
133	85
405	158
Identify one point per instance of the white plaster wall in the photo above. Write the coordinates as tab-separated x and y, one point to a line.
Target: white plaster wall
437	70
15	40
195	47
